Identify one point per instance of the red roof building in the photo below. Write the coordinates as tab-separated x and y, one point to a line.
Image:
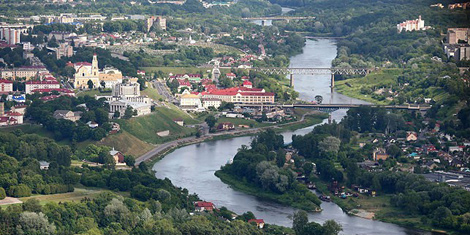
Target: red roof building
247	84
6	86
259	222
204	206
33	85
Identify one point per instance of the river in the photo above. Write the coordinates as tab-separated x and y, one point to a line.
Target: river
193	166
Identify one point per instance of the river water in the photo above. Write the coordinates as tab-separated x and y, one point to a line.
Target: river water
193	166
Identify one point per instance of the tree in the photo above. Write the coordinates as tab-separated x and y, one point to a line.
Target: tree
32	223
128	113
330	145
129	160
330	227
300	221
90	84
2	193
211	120
32	205
117	114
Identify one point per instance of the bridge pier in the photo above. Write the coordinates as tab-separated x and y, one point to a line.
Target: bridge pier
332	82
292	80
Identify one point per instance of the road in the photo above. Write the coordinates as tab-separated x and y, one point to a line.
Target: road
163	90
192	139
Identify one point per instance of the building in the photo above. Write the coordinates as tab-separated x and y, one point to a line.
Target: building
110	76
457	35
259	222
65	50
68	115
411	136
85	72
179	121
26	72
159	21
35	85
241	95
202	206
230	76
11	35
126	89
190	102
6	86
184	84
117	156
211	102
121	106
411	25
9	118
379	154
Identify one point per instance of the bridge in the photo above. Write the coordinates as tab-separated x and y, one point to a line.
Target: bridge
314	71
286	18
340	106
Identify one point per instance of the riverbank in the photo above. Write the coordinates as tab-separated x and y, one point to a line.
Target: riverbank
153	156
288	198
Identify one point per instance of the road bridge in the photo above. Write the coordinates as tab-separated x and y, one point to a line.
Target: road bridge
286	18
314	71
339	106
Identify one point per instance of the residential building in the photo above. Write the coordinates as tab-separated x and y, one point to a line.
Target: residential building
117	156
85	72
211	102
10	35
457	35
241	95
27	72
379	154
230	76
65	50
6	86
411	25
184	84
68	115
411	136
259	222
202	206
34	85
159	21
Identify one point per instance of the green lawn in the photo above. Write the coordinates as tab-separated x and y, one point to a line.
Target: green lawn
152	93
76	195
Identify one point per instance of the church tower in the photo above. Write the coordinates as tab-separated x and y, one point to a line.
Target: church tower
94	66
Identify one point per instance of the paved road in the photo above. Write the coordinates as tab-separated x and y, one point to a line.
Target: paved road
192	139
163	90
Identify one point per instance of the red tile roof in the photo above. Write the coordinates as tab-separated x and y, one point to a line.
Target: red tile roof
42	82
53	89
5	81
246	82
257	221
204	204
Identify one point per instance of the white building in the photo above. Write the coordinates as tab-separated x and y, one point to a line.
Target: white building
10	35
411	25
190	102
121	106
126	89
6	86
211	102
33	85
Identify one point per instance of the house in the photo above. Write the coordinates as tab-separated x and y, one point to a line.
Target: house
43	165
430	165
202	206
247	84
179	121
259	222
118	157
379	154
455	149
225	126
411	136
141	72
211	102
230	76
68	115
6	86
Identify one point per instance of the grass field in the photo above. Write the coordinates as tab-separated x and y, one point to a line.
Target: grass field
152	93
127	144
76	195
146	127
382	78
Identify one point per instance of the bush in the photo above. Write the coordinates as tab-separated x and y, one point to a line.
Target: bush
20	190
2	193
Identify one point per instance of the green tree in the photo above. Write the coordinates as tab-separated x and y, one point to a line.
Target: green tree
128	113
300	221
2	193
90	84
211	120
31	223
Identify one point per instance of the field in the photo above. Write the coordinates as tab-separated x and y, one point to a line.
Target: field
127	143
383	78
146	127
76	196
152	93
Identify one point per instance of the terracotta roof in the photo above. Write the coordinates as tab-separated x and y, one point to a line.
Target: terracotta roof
5	81
258	221
204	204
53	89
42	82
